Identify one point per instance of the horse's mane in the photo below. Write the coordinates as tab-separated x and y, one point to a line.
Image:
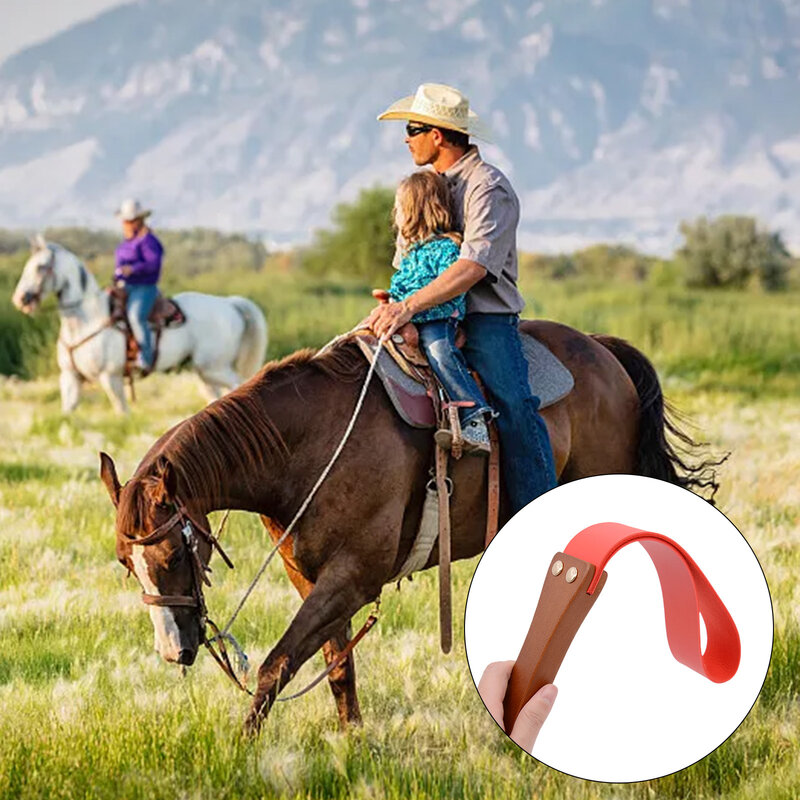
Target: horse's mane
343	362
232	432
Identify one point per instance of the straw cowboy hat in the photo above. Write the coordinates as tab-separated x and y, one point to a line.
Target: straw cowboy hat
131	210
442	106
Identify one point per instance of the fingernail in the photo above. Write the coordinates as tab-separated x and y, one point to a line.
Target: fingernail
548	694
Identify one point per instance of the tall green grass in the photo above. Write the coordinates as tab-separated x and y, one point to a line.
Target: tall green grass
744	342
88	710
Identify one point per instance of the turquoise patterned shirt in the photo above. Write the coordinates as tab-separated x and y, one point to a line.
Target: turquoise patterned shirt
421	264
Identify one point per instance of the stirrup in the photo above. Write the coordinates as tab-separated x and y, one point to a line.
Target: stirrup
470	442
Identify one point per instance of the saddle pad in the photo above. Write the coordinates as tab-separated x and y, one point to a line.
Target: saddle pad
549	379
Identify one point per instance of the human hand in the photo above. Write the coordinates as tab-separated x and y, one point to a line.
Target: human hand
126	271
388	317
492	689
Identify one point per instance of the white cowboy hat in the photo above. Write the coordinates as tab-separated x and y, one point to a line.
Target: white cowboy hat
442	106
131	209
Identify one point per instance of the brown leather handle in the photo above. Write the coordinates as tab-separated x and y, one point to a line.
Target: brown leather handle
563	605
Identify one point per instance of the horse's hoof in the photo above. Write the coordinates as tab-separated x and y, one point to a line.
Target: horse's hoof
351	722
252	725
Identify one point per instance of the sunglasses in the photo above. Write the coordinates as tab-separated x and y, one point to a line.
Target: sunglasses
416	128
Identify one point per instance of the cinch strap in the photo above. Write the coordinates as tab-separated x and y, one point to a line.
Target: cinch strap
575	579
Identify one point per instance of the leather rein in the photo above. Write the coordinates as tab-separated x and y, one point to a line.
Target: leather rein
49	271
190	530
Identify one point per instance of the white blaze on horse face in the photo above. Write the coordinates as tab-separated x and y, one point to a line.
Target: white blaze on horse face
27	281
32	280
167	633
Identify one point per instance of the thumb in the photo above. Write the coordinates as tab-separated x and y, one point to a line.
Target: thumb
532	717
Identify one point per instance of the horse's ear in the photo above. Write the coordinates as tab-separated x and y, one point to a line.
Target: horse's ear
40	242
168	480
108	474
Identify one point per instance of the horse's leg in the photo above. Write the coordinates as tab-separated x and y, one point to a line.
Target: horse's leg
210	391
217	380
342	679
335	598
70	384
114	386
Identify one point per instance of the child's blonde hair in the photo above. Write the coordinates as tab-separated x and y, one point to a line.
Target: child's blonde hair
425	208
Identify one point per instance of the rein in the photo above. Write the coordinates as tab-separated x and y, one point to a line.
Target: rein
71	348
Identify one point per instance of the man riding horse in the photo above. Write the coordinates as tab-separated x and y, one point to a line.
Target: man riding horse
138	269
440	123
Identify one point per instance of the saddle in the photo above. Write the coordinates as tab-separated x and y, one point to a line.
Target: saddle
413	387
166	313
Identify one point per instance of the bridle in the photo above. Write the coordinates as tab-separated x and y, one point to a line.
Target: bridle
199	569
48	270
190	530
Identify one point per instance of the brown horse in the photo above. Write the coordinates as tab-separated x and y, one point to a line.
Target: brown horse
262	447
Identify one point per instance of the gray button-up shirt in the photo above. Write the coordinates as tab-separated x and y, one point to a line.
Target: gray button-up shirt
487	213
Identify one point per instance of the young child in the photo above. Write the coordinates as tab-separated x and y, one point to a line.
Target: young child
424	218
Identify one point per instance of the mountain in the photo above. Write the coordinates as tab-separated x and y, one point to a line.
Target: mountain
614	118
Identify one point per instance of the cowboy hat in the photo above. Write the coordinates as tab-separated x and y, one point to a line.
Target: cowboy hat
131	210
439	105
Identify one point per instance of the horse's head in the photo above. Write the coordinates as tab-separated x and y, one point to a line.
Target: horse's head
167	550
38	277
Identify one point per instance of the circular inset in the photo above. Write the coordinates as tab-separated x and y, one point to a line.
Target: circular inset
629	708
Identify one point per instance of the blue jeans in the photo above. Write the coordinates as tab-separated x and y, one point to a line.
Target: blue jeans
494	351
140	303
437	338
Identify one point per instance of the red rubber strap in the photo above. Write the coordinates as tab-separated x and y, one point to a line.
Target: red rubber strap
686	591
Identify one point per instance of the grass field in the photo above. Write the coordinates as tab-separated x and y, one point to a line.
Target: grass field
87	709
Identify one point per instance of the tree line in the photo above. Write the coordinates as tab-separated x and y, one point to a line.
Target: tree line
730	251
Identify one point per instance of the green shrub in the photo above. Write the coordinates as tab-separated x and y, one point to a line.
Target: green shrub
361	242
732	251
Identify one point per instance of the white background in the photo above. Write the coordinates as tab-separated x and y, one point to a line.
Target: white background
626	709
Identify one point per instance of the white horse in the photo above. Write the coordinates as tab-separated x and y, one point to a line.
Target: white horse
225	338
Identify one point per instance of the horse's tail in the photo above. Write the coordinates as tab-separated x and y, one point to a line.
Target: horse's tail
664	451
253	347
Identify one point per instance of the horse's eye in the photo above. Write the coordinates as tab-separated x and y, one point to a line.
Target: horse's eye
175	559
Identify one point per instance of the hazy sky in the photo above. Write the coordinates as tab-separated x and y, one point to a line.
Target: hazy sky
24	22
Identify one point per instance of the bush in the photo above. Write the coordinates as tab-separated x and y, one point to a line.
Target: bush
22	339
612	262
599	263
731	251
361	243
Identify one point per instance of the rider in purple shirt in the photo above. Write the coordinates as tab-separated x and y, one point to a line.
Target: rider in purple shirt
142	256
138	267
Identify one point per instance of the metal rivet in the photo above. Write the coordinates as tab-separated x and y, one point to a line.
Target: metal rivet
572	573
557	567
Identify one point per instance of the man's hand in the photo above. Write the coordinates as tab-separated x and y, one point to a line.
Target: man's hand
126	271
388	317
